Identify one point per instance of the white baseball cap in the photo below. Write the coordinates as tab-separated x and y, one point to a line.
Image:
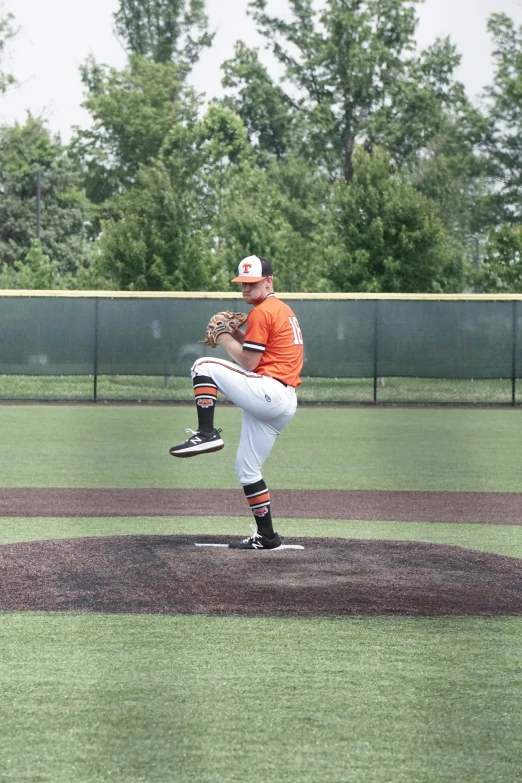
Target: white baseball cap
253	269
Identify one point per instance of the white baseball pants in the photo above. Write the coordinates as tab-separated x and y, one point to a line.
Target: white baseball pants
267	406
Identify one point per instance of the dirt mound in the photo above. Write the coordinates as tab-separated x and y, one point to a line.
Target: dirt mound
169	575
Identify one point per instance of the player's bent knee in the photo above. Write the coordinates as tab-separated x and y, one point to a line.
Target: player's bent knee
200	367
246	475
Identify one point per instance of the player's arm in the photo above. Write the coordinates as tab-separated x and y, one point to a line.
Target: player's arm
247	359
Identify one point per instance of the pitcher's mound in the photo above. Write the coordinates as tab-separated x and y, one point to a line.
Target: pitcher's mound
170	575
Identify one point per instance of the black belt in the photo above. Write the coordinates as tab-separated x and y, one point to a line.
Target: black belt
284	384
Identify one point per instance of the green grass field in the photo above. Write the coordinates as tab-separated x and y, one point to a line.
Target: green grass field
403	449
197	699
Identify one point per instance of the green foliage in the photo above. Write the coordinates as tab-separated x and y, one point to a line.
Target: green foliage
179	195
224	136
158	233
274	210
355	77
160	195
418	104
502	265
277	213
37	271
390	238
339	61
164	30
26	150
505	95
201	205
267	112
455	174
152	243
7	31
133	112
157	170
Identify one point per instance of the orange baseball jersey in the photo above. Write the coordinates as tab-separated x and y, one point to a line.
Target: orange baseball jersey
273	330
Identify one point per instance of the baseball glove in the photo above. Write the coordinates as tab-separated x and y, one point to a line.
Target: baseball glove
225	321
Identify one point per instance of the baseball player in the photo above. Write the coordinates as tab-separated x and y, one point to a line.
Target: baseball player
261	380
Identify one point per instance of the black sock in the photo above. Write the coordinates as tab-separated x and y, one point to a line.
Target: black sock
205	395
258	498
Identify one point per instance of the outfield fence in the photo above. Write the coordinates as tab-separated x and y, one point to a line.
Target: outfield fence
359	348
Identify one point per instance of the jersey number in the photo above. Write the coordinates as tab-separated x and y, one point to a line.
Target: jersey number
298	337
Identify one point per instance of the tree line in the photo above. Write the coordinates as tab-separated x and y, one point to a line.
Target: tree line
364	167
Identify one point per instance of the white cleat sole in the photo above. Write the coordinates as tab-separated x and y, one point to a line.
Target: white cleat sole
215	446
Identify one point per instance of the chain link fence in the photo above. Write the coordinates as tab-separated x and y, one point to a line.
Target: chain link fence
103	346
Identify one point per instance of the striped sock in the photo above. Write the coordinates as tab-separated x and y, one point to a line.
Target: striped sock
258	498
205	395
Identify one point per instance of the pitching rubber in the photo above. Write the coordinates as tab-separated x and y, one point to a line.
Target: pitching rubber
277	549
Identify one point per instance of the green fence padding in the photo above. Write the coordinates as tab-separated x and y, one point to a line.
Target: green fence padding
352	339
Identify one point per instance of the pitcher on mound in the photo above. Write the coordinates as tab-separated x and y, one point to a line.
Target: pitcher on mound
261	380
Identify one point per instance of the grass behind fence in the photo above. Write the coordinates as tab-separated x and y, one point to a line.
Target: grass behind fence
137	388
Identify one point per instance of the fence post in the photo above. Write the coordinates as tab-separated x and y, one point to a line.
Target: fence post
95	358
375	350
514	355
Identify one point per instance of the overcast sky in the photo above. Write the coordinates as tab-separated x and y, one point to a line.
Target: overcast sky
56	36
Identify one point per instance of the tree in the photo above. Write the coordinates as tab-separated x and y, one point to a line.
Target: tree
268	114
164	30
7	31
133	111
145	165
455	174
505	97
26	150
354	79
222	144
419	105
390	238
37	271
154	241
248	209
203	205
277	213
502	265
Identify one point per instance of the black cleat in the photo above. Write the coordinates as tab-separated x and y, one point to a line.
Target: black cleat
257	541
198	443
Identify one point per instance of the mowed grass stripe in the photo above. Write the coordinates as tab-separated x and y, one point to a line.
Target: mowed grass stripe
93	698
498	539
363	448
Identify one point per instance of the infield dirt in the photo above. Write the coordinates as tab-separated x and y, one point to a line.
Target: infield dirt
466	507
170	575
